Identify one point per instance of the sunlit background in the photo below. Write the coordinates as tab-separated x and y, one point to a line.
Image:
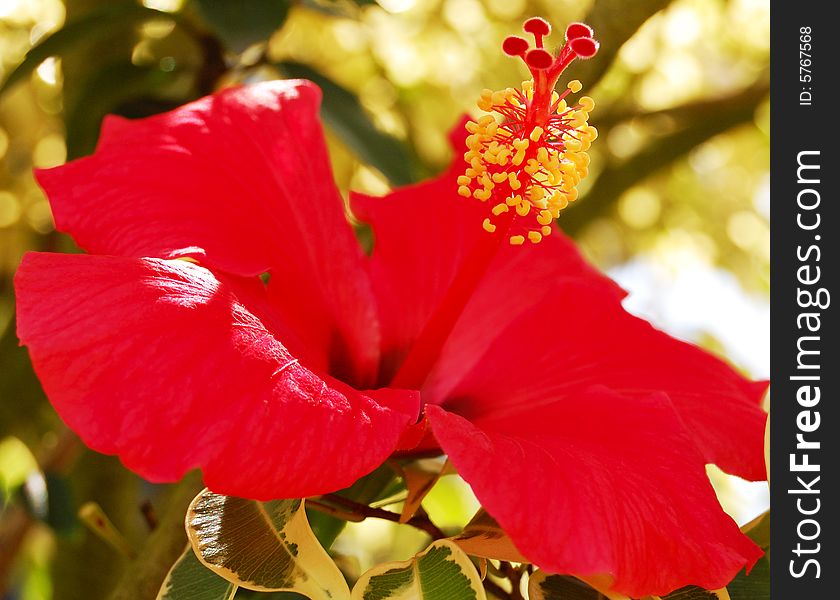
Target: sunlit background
676	207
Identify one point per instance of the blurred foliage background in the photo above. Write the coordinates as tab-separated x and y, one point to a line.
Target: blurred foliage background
676	206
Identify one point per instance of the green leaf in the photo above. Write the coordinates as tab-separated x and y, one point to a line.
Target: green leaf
343	113
758	530
542	586
95	23
242	23
692	593
262	546
102	94
441	572
559	587
755	586
17	463
190	580
484	537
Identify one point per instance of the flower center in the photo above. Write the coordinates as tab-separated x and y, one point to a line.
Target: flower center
527	165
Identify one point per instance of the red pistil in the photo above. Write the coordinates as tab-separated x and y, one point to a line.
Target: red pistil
528	165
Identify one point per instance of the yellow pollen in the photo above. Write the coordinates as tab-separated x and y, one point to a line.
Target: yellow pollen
513	163
587	103
532	167
573	145
544	217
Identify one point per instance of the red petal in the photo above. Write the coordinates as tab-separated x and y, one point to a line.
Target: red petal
243	178
424	234
162	364
602	485
578	337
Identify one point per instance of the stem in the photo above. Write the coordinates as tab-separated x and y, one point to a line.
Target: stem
356	509
495	589
515	577
327	526
145	575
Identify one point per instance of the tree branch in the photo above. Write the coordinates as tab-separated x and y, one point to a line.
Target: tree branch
614	22
696	123
421	522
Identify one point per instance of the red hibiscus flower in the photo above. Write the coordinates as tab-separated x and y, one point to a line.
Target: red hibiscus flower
583	430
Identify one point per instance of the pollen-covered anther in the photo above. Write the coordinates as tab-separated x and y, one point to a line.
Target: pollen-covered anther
529	153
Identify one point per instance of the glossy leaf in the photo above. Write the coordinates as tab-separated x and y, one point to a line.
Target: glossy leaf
543	586
190	580
441	572
95	23
343	113
484	538
244	22
263	546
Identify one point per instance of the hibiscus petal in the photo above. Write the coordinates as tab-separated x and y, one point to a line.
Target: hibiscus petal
605	485
164	365
578	337
242	179
425	235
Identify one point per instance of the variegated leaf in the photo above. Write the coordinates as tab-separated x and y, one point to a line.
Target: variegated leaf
262	546
543	586
441	572
188	579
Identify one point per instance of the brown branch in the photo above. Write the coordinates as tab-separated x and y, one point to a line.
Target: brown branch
614	22
696	123
515	577
690	111
421	522
497	590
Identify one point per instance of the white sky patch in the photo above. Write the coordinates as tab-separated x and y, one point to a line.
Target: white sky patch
699	299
